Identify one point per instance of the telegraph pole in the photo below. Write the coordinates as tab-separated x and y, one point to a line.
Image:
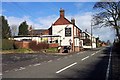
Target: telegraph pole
91	34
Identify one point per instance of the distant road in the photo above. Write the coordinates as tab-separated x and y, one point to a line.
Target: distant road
87	65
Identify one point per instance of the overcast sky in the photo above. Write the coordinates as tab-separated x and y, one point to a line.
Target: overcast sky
41	15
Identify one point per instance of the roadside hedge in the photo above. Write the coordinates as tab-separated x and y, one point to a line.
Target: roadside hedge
7	44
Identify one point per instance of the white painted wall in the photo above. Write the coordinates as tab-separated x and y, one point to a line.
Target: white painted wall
21	38
38	39
77	42
93	45
60	30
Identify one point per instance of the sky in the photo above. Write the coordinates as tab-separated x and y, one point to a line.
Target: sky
41	15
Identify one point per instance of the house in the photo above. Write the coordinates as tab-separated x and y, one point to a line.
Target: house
89	41
68	31
62	33
39	32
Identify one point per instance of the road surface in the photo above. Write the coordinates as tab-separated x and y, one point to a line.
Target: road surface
86	65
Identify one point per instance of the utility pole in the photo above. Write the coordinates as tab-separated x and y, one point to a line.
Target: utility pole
91	34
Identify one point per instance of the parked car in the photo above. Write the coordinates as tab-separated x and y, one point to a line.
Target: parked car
66	49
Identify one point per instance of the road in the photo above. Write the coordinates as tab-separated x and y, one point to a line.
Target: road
87	65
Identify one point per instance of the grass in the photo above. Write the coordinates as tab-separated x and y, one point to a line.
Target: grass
21	50
51	50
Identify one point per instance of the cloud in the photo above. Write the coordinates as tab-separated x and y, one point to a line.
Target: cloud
83	21
47	21
16	21
78	5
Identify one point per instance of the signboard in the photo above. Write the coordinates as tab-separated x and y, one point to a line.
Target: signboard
67	32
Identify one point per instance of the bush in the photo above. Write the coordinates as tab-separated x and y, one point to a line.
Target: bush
7	44
38	46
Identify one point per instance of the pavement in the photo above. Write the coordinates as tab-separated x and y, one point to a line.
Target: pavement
86	65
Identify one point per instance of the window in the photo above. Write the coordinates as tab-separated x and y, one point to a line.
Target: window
67	32
56	41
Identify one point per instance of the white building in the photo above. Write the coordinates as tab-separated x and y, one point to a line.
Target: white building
87	39
69	32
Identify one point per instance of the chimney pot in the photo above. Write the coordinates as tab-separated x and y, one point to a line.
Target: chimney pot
62	12
73	21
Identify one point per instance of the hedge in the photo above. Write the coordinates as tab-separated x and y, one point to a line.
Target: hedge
7	44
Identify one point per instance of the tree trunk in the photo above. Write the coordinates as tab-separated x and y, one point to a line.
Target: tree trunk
117	33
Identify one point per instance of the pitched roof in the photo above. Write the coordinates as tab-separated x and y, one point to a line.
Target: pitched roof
38	31
62	21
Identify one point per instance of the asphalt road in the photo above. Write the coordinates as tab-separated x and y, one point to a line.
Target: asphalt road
87	65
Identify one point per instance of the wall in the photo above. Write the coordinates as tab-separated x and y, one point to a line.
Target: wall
22	44
60	30
53	45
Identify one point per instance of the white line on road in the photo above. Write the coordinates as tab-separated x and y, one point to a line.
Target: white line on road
108	68
78	53
50	61
93	54
58	58
0	74
66	67
65	57
96	52
16	69
70	56
7	71
21	68
85	58
37	64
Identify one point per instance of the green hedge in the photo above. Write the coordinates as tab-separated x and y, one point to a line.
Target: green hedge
7	44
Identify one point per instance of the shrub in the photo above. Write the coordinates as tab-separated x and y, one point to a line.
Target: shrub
38	46
7	44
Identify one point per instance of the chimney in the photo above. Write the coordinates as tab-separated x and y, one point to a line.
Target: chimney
62	12
73	21
86	30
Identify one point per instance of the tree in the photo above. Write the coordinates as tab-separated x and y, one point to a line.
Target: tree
108	16
23	28
6	32
14	29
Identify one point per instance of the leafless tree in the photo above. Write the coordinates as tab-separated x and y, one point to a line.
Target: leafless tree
14	30
108	15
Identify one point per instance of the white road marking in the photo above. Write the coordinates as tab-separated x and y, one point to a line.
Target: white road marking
30	65
0	74
108	68
21	68
96	52
70	56
78	53
65	57
58	59
66	67
16	69
93	54
7	71
37	64
85	58
50	61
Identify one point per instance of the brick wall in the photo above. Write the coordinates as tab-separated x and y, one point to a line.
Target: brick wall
53	45
22	44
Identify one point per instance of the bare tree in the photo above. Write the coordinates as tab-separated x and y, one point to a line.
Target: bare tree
14	30
108	15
